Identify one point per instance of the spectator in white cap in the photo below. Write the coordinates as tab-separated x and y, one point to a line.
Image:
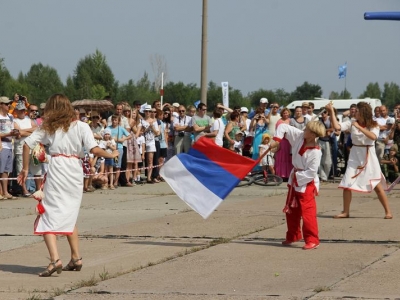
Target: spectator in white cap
244	119
7	133
175	107
26	126
264	104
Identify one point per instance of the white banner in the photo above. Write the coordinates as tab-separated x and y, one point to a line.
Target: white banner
225	93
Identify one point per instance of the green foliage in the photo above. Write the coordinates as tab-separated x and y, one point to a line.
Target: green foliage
372	91
254	97
306	91
391	94
185	94
93	70
42	81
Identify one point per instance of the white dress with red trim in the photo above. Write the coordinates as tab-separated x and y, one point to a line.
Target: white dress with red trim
305	160
363	171
63	188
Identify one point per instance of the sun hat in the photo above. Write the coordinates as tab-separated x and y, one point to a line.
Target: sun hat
263	100
5	99
106	131
244	109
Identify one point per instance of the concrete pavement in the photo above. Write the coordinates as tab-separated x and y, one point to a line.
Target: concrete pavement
145	243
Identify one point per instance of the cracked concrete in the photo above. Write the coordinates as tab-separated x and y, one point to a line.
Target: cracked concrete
144	243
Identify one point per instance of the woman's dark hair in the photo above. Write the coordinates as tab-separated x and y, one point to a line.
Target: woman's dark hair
168	118
216	113
234	115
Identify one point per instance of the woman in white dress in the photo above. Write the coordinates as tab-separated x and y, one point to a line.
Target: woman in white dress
63	187
363	172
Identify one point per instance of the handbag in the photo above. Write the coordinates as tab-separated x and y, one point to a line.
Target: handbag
39	154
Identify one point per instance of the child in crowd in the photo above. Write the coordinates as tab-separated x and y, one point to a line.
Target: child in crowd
142	149
303	182
391	165
238	145
389	128
99	179
267	160
108	144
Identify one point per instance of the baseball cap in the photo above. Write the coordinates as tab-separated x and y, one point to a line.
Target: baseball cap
175	104
305	104
5	99
244	109
239	132
394	148
20	106
263	100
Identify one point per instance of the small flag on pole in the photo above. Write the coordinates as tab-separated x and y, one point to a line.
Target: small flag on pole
342	71
206	175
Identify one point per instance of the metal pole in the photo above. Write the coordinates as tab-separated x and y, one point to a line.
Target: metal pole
162	88
203	82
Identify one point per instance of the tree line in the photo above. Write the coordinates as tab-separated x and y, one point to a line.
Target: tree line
93	79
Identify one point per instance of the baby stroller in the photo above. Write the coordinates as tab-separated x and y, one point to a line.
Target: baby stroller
247	144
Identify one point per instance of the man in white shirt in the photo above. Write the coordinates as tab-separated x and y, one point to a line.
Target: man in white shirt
7	133
305	106
182	129
273	117
26	126
380	143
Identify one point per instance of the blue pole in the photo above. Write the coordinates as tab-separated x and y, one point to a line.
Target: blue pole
389	15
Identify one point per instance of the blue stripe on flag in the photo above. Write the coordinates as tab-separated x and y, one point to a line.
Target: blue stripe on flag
211	175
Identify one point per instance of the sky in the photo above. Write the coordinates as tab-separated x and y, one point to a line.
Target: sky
252	44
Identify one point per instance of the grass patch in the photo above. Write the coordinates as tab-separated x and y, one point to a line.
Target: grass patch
320	289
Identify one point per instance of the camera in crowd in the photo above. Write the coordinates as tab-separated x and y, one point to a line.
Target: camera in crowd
34	114
21	98
181	133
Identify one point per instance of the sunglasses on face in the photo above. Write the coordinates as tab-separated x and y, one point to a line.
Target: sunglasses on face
34	110
166	113
153	111
275	106
8	104
182	111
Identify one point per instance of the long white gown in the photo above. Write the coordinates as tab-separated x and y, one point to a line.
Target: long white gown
64	183
366	165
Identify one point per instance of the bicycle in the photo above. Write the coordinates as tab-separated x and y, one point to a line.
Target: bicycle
262	178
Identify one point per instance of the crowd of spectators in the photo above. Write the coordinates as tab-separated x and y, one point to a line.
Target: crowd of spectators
148	135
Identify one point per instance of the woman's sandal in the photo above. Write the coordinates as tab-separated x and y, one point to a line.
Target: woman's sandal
74	266
48	272
341	216
9	197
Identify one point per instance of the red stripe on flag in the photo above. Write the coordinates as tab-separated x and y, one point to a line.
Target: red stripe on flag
161	92
234	163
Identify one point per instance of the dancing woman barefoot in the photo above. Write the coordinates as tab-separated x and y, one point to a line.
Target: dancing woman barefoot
363	170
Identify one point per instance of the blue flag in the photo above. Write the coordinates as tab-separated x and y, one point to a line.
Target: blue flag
342	71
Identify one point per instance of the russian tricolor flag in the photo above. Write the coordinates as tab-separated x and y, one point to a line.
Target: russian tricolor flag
206	175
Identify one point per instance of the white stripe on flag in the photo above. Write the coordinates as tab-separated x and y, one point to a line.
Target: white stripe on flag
188	188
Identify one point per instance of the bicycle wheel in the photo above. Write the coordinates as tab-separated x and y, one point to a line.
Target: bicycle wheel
248	180
270	180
